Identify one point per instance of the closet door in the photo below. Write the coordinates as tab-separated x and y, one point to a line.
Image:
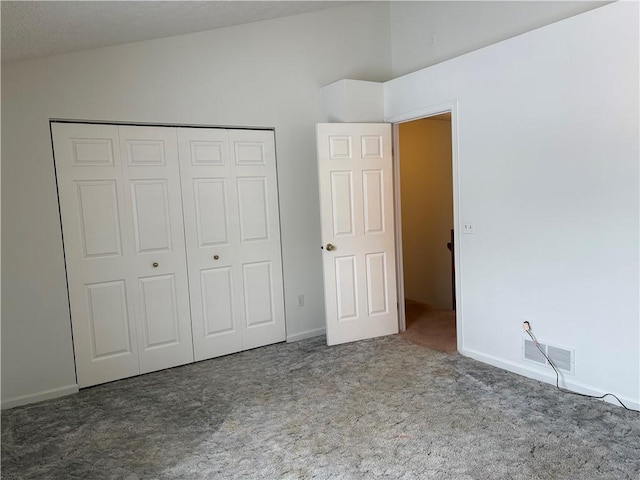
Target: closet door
120	202
98	251
211	232
233	239
152	195
253	163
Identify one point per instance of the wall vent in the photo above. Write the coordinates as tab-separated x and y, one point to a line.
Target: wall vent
562	358
532	353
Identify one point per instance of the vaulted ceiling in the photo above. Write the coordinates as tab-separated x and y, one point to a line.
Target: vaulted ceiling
39	28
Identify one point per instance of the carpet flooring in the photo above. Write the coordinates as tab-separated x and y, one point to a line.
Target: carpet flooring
382	408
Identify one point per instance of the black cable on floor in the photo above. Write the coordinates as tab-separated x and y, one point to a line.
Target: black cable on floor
564	390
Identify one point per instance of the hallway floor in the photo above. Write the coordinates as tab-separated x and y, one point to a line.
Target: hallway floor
430	327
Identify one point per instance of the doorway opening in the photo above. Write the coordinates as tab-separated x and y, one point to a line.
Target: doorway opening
426	233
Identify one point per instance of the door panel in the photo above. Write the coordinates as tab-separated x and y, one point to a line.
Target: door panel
160	318
248	152
208	195
151	220
153	205
372	181
377	273
90	152
258	298
212	223
140	152
252	206
99	219
346	287
356	195
254	170
217	301
108	319
342	212
209	152
98	251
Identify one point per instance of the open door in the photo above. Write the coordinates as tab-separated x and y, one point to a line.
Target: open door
356	204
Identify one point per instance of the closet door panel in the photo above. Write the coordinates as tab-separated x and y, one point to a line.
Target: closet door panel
159	305
258	297
99	218
211	233
98	251
212	223
259	250
253	204
108	319
217	301
153	205
151	218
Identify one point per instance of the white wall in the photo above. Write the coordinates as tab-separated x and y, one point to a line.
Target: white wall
548	152
262	74
424	33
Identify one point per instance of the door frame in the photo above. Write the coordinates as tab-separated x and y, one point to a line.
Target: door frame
426	112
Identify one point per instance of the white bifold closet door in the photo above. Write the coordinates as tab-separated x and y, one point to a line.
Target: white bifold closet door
142	297
232	233
119	194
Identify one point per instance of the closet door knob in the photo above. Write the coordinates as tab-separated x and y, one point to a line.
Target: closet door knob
330	247
155	264
216	257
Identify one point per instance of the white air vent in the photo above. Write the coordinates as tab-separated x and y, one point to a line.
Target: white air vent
532	353
562	358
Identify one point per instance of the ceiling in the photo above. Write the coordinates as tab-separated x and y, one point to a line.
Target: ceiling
33	29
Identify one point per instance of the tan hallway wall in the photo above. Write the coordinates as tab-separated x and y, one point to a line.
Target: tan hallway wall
427	209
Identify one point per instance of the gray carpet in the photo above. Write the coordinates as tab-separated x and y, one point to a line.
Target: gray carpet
383	408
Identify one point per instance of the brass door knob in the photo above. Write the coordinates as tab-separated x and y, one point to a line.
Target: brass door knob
155	264
330	247
216	257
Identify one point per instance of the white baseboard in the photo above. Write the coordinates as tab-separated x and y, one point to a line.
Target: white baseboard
40	396
304	335
550	377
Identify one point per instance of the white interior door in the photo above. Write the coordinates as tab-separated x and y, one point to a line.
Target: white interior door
98	251
356	204
154	205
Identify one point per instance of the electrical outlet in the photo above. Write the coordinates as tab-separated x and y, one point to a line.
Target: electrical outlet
300	300
467	228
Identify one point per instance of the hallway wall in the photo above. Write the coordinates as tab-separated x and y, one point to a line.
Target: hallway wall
427	210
